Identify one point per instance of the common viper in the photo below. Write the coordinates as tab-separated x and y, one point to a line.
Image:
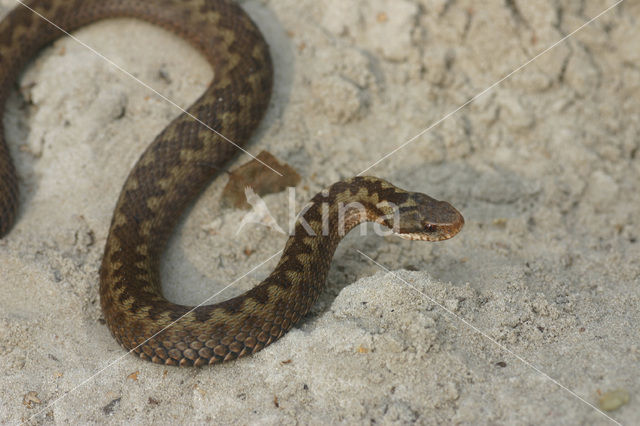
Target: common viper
184	157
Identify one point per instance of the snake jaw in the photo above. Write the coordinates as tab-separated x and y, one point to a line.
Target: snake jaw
419	236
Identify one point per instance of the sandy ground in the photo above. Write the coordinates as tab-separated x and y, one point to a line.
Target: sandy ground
543	282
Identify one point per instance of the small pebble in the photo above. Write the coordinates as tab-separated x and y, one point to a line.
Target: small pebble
614	399
110	407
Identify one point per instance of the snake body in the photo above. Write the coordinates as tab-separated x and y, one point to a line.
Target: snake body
172	171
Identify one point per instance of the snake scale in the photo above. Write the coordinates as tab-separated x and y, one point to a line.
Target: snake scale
173	170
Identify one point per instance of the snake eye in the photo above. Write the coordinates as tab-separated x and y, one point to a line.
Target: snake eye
428	227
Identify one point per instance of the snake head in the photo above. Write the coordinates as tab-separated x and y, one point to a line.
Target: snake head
424	218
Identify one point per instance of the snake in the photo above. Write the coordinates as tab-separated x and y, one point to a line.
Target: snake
173	170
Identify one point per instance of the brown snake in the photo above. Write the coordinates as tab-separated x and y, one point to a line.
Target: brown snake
175	167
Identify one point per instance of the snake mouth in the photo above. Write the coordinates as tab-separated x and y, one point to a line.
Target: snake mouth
419	236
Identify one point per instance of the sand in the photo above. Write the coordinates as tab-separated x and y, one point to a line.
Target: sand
528	316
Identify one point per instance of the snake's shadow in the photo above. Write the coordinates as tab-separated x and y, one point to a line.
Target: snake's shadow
283	59
194	282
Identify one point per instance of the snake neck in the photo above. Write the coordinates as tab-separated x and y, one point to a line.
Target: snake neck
325	221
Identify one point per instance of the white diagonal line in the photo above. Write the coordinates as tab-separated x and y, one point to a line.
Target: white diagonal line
495	342
112	363
100	55
425	130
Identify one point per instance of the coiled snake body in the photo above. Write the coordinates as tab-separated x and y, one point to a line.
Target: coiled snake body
175	167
